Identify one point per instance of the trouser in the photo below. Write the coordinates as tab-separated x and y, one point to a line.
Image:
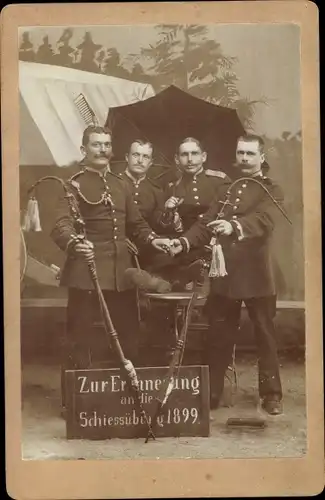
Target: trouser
86	342
224	318
168	267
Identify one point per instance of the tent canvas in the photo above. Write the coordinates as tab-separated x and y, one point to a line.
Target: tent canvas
51	125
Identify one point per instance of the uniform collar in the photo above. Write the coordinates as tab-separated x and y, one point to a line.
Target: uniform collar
193	177
99	172
136	181
258	174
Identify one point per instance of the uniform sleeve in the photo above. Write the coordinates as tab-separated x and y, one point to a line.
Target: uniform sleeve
64	228
260	222
199	234
157	217
137	229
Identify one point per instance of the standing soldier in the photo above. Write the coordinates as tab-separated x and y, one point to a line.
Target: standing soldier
244	227
110	215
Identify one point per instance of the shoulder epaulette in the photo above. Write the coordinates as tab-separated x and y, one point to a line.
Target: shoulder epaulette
72	179
215	173
118	176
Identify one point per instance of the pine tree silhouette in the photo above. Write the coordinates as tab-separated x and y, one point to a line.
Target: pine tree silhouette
112	64
185	56
64	55
26	49
45	53
86	54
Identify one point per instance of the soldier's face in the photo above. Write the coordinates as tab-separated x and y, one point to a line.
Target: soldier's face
139	158
190	158
98	150
249	157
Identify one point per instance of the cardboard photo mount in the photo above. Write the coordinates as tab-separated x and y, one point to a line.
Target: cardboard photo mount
164	478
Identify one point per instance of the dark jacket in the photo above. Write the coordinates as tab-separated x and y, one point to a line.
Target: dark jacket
106	226
247	251
198	193
149	197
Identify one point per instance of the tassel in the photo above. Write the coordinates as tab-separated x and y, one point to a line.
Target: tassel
218	265
32	220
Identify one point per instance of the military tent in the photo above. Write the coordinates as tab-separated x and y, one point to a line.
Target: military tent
51	124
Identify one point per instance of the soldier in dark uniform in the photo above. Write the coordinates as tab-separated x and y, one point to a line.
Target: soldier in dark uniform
244	228
148	196
110	215
187	199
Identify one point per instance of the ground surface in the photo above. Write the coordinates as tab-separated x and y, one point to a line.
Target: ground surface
284	436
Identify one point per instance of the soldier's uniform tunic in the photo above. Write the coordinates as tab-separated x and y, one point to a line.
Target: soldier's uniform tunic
250	279
198	191
149	198
107	226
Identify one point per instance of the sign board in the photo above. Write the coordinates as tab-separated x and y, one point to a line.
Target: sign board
100	405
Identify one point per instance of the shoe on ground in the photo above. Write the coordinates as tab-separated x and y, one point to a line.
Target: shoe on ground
273	406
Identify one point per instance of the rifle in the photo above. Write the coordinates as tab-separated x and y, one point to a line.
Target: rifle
126	365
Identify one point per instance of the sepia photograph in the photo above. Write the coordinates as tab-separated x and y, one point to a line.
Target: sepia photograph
201	126
162	241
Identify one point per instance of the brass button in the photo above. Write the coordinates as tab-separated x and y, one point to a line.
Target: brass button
115	220
197	203
115	237
194	189
115	228
136	194
234	216
237	200
244	185
239	191
135	201
235	207
196	197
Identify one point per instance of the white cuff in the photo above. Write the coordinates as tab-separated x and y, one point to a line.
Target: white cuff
238	229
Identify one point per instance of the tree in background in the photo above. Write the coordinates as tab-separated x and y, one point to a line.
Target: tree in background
64	53
87	53
186	57
45	52
26	48
112	64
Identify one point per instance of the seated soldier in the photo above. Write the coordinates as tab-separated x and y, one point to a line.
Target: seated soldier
149	198
186	200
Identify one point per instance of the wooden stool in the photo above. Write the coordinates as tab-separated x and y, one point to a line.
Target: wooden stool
179	302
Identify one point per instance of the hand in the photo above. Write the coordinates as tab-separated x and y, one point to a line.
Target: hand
175	247
162	244
173	202
221	227
84	248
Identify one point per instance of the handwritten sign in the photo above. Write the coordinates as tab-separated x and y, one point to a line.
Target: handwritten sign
101	406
